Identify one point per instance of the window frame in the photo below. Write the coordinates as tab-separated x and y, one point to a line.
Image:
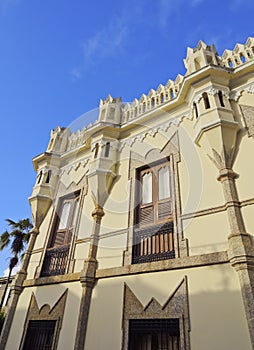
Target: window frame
149	332
154	169
57	256
37	332
68	230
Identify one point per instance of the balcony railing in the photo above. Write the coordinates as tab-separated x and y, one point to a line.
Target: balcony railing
153	243
55	261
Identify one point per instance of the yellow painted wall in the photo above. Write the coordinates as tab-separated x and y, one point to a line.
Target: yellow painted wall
48	295
216	308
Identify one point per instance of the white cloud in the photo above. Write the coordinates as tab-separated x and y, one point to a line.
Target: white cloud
166	10
107	42
76	73
170	8
14	270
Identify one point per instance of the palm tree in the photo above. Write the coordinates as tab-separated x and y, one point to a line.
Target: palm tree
18	239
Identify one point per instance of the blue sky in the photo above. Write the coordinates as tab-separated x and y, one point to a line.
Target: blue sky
59	57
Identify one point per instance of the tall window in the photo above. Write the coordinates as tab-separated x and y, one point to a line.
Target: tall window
221	99
40	335
65	221
153	235
154	334
57	253
155	195
206	100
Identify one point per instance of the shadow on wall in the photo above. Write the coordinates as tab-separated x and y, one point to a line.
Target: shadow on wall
47	303
217	316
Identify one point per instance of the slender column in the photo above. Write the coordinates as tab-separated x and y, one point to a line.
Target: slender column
241	246
17	288
30	247
88	280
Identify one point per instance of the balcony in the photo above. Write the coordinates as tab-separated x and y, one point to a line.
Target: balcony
153	243
55	261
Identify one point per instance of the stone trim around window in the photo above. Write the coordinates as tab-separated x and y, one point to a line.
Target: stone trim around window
45	313
63	192
171	153
177	306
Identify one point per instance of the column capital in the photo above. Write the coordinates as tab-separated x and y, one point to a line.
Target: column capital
34	231
226	173
98	212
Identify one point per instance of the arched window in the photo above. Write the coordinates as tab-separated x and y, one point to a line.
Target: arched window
147	194
195	110
206	100
48	177
56	257
230	64
96	150
152	102
242	57
153	239
107	148
221	99
39	177
163	183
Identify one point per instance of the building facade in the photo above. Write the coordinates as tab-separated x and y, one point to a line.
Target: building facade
5	290
144	220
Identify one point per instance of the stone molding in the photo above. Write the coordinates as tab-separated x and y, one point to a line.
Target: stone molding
135	269
83	188
45	313
177	306
235	94
248	116
169	151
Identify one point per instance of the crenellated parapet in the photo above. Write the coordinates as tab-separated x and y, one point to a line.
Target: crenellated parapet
201	99
201	56
155	98
241	54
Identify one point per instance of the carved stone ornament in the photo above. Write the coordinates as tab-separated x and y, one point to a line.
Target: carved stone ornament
251	89
176	307
234	95
45	313
153	131
248	116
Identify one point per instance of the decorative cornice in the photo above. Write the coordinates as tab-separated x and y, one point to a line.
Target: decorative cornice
235	94
153	131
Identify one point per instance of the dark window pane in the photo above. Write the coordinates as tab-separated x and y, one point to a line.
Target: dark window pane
154	334
40	335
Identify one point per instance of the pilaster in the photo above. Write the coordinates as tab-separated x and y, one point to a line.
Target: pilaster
240	245
17	289
88	280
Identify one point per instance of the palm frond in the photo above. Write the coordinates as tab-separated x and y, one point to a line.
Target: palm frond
17	238
26	224
26	237
17	244
11	223
13	262
4	240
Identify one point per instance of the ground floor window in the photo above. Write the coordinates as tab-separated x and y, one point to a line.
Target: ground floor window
154	334
40	335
